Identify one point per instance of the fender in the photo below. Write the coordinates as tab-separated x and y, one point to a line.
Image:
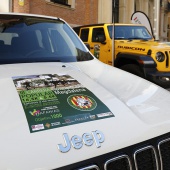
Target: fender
144	61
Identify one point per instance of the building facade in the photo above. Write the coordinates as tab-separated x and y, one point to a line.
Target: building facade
156	10
82	12
75	12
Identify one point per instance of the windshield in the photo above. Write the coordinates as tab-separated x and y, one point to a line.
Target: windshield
33	39
129	32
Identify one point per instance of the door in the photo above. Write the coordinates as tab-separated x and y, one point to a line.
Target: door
99	45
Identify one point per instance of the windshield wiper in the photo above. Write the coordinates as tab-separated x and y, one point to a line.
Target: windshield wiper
137	38
119	38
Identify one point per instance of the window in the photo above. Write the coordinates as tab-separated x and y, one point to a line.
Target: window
63	2
33	39
6	38
84	35
97	34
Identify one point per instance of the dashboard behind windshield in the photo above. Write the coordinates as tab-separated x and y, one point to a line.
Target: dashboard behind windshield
32	39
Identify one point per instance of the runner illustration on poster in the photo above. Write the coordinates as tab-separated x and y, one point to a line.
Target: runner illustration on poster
56	100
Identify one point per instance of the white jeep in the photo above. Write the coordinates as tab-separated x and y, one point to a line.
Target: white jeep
123	125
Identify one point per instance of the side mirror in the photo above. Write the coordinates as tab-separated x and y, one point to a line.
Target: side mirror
87	45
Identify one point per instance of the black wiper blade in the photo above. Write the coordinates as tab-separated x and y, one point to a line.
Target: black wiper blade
119	38
137	38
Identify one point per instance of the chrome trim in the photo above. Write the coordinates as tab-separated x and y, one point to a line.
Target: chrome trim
158	164
90	167
117	158
143	149
163	141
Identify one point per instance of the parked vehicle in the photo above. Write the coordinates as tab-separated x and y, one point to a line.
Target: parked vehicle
61	108
135	50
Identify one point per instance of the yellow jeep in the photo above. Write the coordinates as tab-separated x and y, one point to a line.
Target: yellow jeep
135	50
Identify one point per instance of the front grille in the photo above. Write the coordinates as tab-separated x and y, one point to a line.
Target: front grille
153	154
121	162
91	167
164	152
146	159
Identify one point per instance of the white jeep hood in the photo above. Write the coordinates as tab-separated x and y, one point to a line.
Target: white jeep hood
141	111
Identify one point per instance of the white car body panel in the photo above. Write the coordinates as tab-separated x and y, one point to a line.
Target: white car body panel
139	115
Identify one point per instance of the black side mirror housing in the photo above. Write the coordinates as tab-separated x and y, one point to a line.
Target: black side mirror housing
87	45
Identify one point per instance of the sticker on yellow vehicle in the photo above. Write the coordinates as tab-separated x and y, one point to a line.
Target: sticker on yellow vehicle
56	100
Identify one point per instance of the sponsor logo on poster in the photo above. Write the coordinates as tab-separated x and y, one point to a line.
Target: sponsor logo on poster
37	127
47	125
35	112
55	124
105	114
82	102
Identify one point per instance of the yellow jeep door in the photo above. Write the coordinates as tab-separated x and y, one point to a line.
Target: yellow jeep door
98	42
99	45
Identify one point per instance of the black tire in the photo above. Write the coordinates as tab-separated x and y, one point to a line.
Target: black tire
134	69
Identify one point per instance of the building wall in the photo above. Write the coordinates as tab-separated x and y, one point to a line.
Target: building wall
126	11
21	6
157	14
81	12
84	12
5	6
105	11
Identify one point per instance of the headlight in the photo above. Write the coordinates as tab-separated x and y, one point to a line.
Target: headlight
160	57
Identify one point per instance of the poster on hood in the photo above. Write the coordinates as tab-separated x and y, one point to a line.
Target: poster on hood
139	17
57	100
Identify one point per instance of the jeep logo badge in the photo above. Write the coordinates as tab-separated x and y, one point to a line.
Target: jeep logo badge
77	142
